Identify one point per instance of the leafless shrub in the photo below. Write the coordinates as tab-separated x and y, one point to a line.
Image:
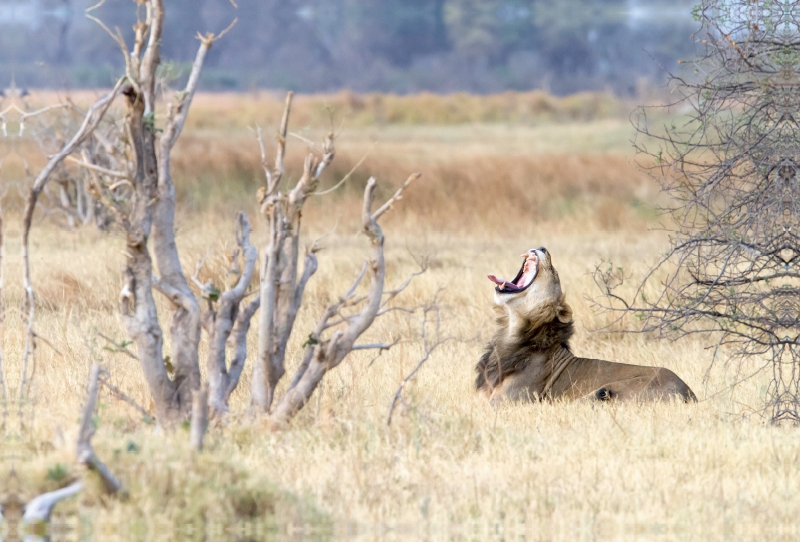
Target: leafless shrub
731	169
430	329
350	316
281	288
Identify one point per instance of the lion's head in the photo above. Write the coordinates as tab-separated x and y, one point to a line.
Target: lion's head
534	294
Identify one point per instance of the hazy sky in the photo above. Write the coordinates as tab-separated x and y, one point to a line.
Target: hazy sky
364	45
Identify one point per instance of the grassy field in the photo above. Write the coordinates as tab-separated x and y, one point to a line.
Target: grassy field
450	466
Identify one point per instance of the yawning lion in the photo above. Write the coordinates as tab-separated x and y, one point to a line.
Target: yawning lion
530	358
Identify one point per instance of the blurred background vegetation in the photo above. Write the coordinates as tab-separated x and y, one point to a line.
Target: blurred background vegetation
401	46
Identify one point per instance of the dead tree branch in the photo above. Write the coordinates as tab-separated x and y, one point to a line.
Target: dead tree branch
430	342
85	451
229	317
90	123
122	396
39	509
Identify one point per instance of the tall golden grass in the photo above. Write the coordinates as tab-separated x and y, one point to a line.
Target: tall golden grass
415	109
450	466
236	111
489	192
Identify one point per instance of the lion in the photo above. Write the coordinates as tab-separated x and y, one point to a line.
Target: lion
529	357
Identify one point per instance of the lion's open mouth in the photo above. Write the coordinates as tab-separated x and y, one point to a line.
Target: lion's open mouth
525	277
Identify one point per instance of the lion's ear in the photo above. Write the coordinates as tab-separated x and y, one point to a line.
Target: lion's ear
564	314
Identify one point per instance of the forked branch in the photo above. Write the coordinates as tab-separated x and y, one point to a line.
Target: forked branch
323	355
227	317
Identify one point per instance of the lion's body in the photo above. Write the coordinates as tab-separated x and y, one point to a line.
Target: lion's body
593	379
529	356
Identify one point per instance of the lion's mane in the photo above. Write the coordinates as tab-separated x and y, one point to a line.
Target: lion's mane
547	327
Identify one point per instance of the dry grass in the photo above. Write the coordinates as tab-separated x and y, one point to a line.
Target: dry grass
456	194
450	466
237	111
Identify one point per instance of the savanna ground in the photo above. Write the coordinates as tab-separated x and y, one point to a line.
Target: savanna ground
497	180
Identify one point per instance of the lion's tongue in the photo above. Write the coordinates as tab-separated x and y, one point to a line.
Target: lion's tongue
503	283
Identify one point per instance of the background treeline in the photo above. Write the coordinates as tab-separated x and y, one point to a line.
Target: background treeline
400	46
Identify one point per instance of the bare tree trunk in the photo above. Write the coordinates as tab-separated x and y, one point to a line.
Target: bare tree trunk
268	370
199	419
185	329
137	304
80	201
84	203
220	323
66	202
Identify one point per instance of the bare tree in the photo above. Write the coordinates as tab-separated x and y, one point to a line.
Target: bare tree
71	205
199	422
147	214
731	170
323	354
141	195
281	289
128	172
282	286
